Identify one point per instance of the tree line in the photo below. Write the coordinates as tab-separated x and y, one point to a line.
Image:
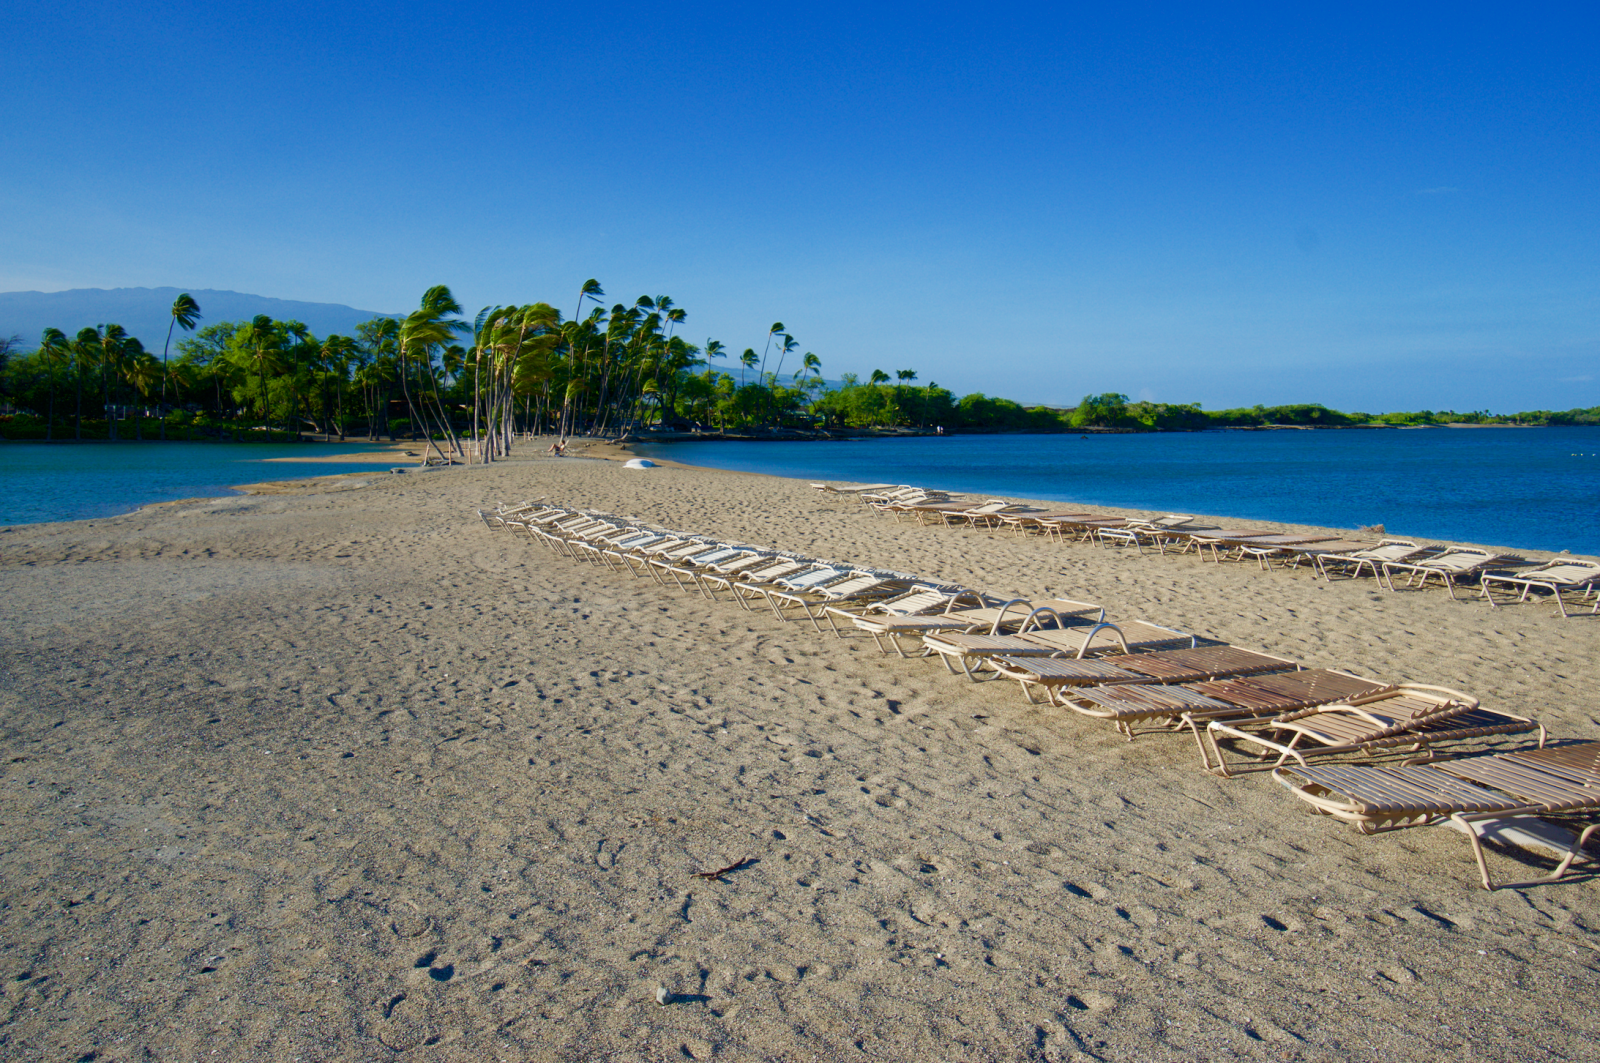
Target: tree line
471	388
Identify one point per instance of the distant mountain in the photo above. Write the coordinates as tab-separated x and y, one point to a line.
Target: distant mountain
146	312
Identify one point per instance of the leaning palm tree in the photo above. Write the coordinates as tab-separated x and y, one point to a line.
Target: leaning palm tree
53	350
185	312
777	327
426	330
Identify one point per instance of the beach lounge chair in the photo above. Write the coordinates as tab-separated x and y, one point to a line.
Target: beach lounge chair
1502	799
1369	557
1034	521
917	600
859	588
1219	542
777	567
985	516
1129	706
991	614
1560	576
1449	566
1067	636
1082	527
1410	717
1186	665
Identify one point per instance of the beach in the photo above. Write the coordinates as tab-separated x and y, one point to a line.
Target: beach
333	771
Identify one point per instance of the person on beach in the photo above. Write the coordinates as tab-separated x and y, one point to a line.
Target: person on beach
558	448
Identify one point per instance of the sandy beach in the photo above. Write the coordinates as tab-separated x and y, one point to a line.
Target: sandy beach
334	772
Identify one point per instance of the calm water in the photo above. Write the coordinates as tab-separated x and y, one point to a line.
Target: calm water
41	482
1522	488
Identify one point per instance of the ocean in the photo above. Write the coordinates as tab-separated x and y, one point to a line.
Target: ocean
70	481
1524	489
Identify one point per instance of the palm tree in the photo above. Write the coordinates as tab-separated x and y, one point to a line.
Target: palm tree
785	349
263	341
53	349
809	364
112	347
591	290
85	347
747	360
907	377
777	327
424	331
185	312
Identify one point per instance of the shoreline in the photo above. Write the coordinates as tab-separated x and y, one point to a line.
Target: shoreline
338	772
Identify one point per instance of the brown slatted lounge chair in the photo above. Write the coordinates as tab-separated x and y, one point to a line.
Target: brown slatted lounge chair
1034	520
995	616
1559	576
1084	528
1500	799
1069	637
1196	704
1411	716
1454	563
987	515
1219	541
1158	666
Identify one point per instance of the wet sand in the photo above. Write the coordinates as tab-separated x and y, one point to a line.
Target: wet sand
335	772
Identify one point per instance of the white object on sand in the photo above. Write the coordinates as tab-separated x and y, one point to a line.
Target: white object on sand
639	463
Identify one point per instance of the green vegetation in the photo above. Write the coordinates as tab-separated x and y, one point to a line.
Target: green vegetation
475	387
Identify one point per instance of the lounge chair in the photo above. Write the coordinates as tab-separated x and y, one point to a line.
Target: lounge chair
1082	527
919	599
1368	557
777	567
857	586
1448	566
1069	636
1411	716
996	616
1500	799
985	516
1194	705
1190	665
1219	541
1035	520
1560	576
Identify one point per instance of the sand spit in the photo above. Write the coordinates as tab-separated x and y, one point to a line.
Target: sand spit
339	774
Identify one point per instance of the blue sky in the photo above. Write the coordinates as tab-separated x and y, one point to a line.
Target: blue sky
1371	210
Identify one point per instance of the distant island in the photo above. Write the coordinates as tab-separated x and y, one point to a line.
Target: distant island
275	369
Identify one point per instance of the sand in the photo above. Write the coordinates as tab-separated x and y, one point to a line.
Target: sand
336	773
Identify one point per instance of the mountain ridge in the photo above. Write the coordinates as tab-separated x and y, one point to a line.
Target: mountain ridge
147	312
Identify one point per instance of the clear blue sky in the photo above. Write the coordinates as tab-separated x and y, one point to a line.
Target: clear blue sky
1382	209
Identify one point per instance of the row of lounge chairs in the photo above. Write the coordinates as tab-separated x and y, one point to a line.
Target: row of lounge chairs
1501	578
1245	710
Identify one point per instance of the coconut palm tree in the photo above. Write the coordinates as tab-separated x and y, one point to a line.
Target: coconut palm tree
777	327
54	349
185	312
426	330
747	360
113	340
785	348
261	349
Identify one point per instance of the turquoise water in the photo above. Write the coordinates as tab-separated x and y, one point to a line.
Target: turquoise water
44	482
1521	488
